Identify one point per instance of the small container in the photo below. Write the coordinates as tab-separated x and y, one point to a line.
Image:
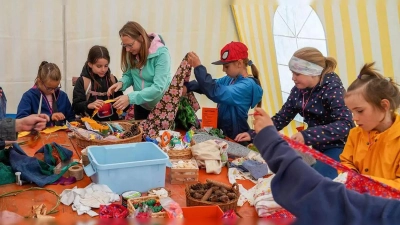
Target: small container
182	175
129	195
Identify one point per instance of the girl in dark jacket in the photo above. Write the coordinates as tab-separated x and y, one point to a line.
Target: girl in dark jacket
90	92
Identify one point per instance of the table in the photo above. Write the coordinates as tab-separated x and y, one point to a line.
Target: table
22	203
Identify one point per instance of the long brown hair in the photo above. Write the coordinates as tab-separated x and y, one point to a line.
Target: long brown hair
375	87
313	55
95	53
255	73
135	31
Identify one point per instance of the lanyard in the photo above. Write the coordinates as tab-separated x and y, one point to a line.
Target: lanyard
47	101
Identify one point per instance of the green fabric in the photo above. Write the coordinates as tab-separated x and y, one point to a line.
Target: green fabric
6	174
216	133
186	116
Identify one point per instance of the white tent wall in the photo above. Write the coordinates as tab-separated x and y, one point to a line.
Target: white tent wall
30	31
37	33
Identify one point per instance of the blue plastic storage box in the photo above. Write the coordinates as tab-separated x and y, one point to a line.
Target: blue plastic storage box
128	167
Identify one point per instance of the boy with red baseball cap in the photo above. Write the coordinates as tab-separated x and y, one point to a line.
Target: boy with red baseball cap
235	93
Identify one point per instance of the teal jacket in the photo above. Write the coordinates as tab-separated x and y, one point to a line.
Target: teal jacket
153	79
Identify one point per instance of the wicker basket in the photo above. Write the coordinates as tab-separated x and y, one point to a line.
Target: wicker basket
179	154
232	204
133	201
83	142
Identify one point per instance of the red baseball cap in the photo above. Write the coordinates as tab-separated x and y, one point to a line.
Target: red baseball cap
232	52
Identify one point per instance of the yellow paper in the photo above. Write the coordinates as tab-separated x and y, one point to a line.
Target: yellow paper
23	134
50	130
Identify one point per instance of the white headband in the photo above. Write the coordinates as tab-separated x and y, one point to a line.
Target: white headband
304	67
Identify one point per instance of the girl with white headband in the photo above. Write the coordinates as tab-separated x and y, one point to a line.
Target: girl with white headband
318	96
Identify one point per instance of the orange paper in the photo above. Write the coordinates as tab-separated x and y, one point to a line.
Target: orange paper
209	117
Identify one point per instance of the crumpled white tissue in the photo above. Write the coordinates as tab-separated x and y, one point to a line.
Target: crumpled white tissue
92	196
341	178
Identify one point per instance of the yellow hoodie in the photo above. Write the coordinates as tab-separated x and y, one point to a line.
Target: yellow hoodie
375	154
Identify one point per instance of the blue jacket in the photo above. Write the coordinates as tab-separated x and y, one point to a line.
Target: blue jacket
30	101
234	98
314	199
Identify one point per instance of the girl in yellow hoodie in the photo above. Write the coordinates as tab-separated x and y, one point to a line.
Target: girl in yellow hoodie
373	147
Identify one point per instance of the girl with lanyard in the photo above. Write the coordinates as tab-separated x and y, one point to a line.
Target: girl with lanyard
55	102
318	96
91	87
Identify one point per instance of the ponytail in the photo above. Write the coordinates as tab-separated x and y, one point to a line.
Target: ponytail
330	66
255	73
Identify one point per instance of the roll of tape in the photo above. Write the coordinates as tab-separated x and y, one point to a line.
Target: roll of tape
76	171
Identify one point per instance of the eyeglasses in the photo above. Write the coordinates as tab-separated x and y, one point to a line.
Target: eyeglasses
51	89
128	46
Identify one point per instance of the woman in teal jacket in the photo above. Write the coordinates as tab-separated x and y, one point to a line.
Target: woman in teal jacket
146	64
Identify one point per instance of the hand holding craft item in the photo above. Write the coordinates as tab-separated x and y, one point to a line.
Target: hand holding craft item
107	102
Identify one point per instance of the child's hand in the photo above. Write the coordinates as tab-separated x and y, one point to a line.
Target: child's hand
96	104
261	119
193	59
243	137
184	90
57	116
298	137
114	88
121	102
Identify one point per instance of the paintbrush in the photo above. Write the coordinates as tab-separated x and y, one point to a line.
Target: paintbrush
36	134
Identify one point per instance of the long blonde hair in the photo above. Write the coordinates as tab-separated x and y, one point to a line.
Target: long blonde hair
137	32
313	55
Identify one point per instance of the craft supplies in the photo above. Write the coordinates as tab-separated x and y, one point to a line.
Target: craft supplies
212	193
51	211
184	171
172	208
76	171
113	211
165	139
18	178
146	207
129	195
159	192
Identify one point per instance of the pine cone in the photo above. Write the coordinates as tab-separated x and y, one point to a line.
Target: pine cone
231	195
135	129
197	186
127	134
